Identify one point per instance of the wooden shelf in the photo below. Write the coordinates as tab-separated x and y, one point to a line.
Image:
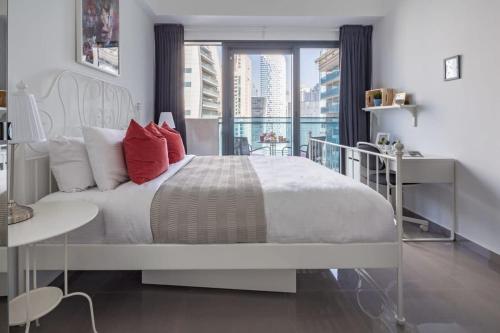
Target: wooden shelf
412	108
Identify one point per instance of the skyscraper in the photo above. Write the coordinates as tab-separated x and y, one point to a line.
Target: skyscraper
202	82
328	65
242	86
273	84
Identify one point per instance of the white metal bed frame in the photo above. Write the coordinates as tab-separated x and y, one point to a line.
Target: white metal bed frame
99	103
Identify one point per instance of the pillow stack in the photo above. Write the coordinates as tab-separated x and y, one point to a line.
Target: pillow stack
146	153
108	157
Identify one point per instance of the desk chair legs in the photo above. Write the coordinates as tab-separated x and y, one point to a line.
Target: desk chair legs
423	224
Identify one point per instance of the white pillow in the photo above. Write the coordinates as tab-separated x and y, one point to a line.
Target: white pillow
105	149
70	164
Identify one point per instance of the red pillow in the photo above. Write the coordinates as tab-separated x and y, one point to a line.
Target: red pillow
176	151
146	154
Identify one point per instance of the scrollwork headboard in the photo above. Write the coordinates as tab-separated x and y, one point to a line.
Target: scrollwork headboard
72	101
75	100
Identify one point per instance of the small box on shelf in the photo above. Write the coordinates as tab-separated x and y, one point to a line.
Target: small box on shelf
387	96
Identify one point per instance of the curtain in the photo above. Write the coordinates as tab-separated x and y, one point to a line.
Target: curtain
169	75
355	79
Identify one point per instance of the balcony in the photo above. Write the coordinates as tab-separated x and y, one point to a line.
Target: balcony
330	93
333	108
206	55
210	80
331	77
210	105
209	68
251	129
211	92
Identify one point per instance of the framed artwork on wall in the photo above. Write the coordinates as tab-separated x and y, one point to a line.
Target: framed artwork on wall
98	34
452	68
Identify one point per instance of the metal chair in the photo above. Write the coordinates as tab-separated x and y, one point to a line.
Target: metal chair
242	147
371	164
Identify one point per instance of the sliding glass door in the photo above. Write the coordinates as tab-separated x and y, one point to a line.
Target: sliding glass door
261	98
319	99
260	102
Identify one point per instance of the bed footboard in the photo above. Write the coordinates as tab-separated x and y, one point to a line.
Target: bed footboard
374	170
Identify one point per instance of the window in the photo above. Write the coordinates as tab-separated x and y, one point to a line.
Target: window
203	81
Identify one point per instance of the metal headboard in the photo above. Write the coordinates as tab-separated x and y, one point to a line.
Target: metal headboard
75	100
72	101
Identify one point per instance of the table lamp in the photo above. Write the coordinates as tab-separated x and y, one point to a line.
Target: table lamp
26	128
168	118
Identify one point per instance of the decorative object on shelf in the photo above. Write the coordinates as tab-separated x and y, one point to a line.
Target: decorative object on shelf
26	128
386	96
400	99
452	68
98	35
168	118
383	139
3	98
377	98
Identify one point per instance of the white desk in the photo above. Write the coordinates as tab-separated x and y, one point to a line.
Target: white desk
429	169
49	220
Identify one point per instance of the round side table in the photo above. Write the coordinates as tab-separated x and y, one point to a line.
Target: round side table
51	219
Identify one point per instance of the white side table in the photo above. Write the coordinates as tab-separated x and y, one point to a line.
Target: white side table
51	219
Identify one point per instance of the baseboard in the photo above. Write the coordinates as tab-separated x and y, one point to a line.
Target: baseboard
491	257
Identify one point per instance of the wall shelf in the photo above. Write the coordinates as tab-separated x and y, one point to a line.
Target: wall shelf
412	108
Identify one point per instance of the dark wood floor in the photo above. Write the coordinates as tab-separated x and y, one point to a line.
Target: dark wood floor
448	289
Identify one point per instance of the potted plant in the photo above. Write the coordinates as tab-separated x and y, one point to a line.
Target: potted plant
377	98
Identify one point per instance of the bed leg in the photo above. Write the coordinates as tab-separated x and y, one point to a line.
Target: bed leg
400	319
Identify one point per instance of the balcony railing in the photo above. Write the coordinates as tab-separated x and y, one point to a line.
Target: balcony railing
252	128
333	108
210	80
331	92
335	75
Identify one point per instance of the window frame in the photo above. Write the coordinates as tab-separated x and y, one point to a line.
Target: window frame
229	48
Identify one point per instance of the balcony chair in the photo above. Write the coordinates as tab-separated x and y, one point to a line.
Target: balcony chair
382	180
242	147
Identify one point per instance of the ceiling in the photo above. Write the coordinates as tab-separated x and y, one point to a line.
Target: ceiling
329	14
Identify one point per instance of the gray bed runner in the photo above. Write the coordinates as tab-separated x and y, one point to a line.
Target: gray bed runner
213	199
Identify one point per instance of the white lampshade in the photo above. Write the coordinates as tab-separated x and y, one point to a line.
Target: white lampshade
168	118
24	117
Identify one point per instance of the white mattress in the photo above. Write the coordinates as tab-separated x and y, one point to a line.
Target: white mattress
304	203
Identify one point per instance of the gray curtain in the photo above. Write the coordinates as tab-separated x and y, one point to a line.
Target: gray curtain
169	76
355	79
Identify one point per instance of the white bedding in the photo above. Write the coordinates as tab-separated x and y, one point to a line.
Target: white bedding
304	203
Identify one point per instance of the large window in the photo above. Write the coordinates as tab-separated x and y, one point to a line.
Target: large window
202	80
276	95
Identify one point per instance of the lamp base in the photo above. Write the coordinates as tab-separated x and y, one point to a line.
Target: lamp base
19	213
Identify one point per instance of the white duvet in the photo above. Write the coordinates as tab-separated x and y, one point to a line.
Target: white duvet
304	203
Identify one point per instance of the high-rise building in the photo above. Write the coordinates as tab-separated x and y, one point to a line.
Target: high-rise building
309	101
242	86
273	84
328	64
202	81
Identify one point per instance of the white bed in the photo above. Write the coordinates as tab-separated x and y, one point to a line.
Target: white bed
344	225
295	190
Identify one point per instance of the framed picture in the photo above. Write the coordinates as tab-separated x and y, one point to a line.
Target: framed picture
98	34
452	68
383	138
399	99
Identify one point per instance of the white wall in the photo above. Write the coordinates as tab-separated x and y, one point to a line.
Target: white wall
458	118
42	43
